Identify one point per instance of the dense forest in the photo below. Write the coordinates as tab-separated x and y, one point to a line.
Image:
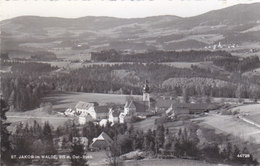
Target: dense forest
29	82
157	56
233	64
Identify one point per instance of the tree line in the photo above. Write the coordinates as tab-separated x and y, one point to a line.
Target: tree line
157	56
29	82
233	64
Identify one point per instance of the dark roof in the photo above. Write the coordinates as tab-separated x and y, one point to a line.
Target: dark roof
99	144
140	106
102	141
118	107
101	109
191	106
83	105
161	103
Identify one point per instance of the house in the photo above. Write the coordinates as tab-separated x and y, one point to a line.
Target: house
81	140
191	108
124	118
113	116
134	107
88	112
186	108
85	109
103	122
170	112
102	142
101	112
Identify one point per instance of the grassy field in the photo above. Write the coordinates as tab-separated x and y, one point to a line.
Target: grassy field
39	114
63	100
60	102
146	124
245	134
250	109
181	64
167	162
255	118
231	125
100	159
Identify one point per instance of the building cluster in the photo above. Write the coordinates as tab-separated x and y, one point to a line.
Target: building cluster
221	46
92	111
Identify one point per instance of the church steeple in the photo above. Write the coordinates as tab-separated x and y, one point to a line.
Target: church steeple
146	91
146	88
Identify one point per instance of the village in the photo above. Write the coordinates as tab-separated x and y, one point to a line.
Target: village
133	110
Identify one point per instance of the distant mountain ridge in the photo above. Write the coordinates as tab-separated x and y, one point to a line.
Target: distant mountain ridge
237	24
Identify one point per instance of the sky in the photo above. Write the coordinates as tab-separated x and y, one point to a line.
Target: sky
113	8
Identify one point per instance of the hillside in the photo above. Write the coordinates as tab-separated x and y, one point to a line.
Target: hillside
236	26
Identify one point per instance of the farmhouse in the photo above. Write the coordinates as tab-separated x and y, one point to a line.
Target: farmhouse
88	112
186	108
84	109
103	141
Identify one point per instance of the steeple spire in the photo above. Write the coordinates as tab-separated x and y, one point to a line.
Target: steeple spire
146	87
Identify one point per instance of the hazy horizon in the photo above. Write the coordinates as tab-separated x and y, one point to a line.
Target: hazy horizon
117	9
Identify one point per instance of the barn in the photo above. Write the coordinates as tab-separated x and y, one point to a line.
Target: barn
102	142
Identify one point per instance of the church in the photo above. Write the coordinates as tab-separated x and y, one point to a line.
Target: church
137	107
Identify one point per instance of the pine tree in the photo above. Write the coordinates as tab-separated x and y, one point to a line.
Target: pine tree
77	154
5	142
47	139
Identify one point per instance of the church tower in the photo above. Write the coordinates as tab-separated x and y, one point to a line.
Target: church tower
146	95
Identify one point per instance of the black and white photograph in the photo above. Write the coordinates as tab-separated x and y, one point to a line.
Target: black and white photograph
130	82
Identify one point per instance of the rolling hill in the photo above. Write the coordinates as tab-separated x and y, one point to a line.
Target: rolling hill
239	24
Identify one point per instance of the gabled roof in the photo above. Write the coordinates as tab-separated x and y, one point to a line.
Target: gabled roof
103	137
130	104
83	105
140	106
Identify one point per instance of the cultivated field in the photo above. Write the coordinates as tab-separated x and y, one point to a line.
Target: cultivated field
63	100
